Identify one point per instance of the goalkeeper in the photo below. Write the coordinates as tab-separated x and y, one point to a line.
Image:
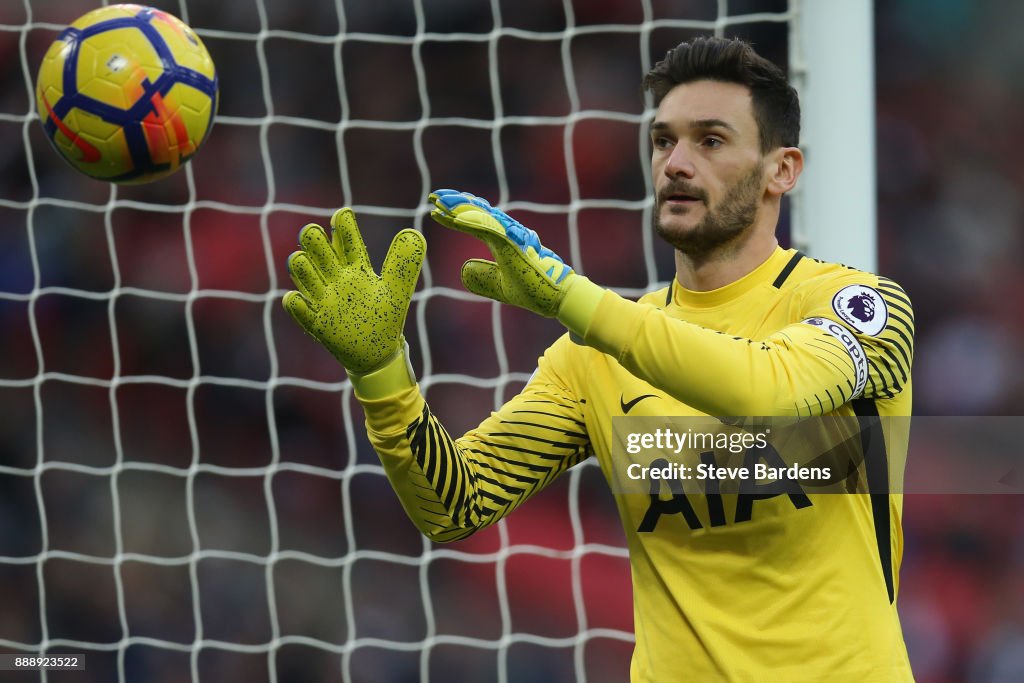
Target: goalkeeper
794	586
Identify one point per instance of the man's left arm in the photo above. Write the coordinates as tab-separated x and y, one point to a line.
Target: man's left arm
810	367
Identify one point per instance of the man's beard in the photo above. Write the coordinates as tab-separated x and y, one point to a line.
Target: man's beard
722	224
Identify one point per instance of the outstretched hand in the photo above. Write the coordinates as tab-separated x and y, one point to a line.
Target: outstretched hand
341	302
524	273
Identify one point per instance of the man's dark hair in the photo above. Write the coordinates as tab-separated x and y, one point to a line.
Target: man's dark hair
776	104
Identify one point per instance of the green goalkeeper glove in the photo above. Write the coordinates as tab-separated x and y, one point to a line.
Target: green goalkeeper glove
355	314
524	273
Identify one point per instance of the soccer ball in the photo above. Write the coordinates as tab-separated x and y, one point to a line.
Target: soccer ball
127	93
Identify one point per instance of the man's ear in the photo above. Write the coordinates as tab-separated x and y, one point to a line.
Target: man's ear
786	166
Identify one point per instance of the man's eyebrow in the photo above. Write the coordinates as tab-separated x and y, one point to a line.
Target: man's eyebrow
712	123
658	126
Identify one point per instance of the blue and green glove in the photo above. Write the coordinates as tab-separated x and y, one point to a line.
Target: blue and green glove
524	273
354	313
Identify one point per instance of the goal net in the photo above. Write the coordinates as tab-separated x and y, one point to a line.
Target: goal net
186	490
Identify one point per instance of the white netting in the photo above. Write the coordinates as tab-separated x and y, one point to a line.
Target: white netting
186	492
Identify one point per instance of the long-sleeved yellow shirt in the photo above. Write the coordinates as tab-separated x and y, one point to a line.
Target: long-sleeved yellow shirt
780	588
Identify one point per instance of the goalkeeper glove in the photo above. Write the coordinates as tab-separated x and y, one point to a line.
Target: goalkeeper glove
524	273
355	314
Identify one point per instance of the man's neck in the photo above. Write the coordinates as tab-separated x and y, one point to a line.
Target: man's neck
726	264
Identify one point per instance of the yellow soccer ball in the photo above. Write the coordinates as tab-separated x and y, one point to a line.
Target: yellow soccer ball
127	93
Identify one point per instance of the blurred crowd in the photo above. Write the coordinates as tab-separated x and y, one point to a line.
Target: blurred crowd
195	468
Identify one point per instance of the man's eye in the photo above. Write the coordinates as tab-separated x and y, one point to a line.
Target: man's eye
712	142
662	143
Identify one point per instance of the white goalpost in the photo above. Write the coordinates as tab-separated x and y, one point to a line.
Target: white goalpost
186	491
832	63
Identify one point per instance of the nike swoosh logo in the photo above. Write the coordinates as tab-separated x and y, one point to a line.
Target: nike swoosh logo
626	407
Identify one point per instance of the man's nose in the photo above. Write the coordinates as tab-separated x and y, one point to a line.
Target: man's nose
680	162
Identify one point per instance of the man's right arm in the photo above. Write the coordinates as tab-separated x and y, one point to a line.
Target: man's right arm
453	487
450	488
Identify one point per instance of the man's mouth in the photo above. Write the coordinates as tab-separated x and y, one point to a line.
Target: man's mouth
681	198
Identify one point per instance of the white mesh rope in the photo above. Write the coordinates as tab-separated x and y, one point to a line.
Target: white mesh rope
40	564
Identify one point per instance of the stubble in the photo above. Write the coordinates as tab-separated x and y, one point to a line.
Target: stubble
724	224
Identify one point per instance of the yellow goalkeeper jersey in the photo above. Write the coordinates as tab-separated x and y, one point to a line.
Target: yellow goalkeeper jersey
790	587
